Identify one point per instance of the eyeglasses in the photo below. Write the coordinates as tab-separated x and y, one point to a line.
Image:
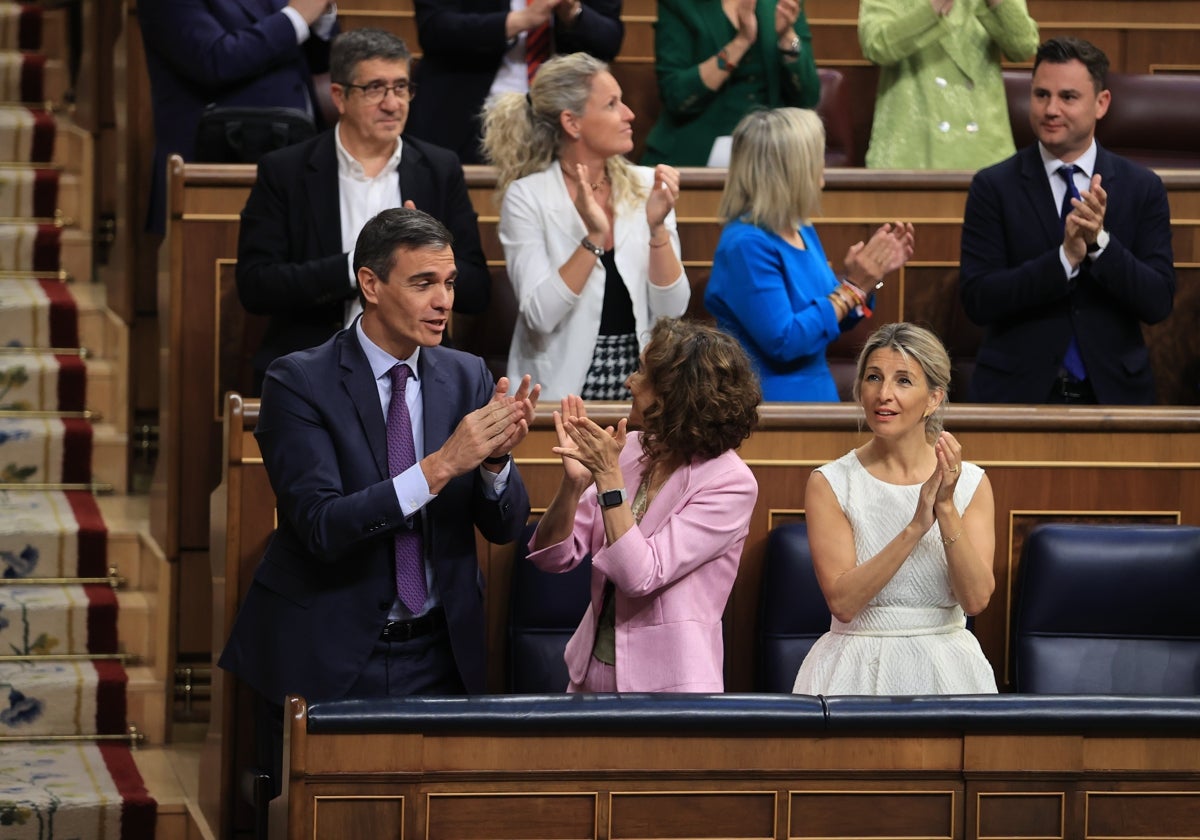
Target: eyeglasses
374	92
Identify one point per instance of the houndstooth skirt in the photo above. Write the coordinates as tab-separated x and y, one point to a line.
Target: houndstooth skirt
613	360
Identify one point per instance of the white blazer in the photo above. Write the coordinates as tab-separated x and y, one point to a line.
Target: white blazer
556	329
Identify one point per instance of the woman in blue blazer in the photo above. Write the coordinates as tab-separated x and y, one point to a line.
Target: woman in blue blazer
771	284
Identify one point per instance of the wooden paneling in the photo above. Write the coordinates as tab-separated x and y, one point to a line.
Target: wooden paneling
732	783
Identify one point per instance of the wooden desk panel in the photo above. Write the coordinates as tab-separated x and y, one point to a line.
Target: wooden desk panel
731	783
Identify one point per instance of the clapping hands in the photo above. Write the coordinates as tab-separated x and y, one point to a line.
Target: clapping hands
890	247
586	449
663	197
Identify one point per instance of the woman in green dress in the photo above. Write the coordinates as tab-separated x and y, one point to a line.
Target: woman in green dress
941	101
717	60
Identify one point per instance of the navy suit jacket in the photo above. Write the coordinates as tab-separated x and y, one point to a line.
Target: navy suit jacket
322	592
228	52
291	265
1013	284
463	43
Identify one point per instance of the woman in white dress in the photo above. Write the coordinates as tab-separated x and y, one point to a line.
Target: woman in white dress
902	537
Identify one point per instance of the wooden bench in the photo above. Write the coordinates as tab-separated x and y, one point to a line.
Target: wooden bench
208	338
765	766
1092	465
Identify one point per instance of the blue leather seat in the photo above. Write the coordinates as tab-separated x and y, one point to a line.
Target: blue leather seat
792	613
544	610
1109	609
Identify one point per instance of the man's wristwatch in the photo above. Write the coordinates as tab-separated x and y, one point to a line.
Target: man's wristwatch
792	50
1101	242
611	498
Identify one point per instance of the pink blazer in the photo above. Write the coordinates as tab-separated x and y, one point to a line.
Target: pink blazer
673	574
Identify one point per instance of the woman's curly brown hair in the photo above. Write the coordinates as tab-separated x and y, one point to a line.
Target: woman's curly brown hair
706	393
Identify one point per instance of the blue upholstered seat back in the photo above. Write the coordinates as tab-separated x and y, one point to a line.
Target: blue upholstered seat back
1109	609
544	610
792	613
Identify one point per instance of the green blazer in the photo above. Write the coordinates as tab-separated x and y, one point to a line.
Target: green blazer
688	33
941	102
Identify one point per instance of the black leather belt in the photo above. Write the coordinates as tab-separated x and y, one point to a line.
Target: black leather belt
1069	390
402	631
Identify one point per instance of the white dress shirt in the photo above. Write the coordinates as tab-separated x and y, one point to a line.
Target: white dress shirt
359	199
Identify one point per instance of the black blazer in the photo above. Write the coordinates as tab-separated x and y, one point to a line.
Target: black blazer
321	594
463	43
1013	284
291	265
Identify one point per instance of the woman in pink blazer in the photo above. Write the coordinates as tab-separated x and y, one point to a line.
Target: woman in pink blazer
663	512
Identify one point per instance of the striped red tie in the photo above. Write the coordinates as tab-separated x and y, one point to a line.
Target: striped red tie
537	47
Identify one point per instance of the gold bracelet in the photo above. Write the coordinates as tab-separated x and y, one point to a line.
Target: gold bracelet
666	241
844	309
949	541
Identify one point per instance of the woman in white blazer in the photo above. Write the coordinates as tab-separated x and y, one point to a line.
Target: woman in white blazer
589	238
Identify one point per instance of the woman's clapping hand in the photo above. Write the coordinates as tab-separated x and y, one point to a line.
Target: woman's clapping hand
890	247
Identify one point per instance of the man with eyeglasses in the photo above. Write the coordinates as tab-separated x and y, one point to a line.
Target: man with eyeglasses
304	213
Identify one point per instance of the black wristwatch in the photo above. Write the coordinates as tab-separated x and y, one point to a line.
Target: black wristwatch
611	498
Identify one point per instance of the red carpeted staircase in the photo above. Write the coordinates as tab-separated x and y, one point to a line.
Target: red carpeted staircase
84	634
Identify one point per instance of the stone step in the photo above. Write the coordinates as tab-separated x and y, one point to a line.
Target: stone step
148	582
146	705
171	774
136	613
73	150
75	202
105	390
33	381
76	254
110	457
56	81
56	37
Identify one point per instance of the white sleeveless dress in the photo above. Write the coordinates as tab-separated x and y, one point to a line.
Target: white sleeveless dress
912	637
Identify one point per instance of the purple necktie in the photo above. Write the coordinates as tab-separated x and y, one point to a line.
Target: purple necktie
410	571
1072	360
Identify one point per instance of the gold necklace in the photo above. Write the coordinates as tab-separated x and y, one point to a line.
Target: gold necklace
595	185
641	499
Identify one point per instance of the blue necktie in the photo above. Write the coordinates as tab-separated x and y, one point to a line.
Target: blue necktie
1072	361
410	571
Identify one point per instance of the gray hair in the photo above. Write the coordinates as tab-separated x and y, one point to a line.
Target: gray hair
349	49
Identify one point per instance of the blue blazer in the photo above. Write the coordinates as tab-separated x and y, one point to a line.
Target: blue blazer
1013	284
291	266
228	52
322	592
462	45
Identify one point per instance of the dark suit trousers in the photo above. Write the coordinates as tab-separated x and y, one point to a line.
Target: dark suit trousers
424	665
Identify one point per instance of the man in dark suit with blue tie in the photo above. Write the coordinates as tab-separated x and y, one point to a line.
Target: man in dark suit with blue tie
226	52
370	585
311	199
1066	252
